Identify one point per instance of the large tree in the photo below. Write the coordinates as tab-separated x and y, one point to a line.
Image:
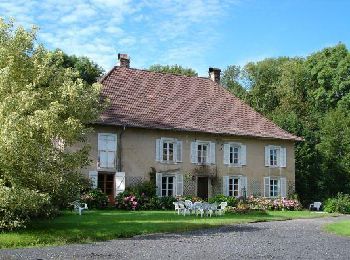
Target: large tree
43	105
174	69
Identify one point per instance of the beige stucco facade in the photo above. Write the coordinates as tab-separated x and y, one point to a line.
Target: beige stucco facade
136	156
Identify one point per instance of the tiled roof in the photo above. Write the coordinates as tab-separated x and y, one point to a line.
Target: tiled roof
145	99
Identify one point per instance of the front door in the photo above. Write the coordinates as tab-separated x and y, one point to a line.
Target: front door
106	184
202	187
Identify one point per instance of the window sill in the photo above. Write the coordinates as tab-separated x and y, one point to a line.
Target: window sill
169	163
234	165
106	169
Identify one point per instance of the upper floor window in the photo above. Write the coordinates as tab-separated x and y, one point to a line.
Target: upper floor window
275	156
107	148
203	152
168	150
234	154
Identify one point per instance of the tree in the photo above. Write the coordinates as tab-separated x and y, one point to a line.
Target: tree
89	71
174	69
43	105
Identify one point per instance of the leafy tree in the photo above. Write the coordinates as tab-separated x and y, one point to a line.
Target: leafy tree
88	70
174	69
42	105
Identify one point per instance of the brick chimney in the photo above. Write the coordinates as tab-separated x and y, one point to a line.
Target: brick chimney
124	60
214	74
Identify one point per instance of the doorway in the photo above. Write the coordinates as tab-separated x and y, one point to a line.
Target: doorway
202	187
106	184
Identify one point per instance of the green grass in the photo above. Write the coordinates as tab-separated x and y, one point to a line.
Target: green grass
341	228
109	224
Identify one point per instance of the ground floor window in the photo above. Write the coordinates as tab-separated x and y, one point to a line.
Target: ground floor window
106	182
233	187
274	187
168	185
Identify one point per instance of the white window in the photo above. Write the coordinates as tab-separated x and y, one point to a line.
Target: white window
169	184
275	156
107	148
203	152
168	150
235	186
275	187
235	154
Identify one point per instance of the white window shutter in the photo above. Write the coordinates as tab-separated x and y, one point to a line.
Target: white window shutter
243	154
158	149
111	160
225	181
283	157
101	142
212	152
93	176
179	151
267	155
111	143
194	152
227	154
103	159
119	179
179	184
283	186
243	185
159	184
267	187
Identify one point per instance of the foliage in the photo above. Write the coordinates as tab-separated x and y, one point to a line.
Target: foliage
339	204
273	204
43	107
111	224
95	199
309	97
191	198
19	205
173	69
88	70
231	201
341	228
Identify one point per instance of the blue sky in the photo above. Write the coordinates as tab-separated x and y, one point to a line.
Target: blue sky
191	33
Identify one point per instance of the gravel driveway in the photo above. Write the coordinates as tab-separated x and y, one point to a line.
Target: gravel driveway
294	239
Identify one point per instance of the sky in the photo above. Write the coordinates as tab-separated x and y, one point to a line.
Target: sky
192	33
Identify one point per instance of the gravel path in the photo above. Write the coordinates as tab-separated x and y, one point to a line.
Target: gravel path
294	239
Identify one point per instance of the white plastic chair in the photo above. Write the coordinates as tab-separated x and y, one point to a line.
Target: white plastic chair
189	206
315	205
79	207
177	207
221	209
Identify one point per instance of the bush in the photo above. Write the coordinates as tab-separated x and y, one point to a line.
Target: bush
95	199
231	201
340	204
19	205
273	204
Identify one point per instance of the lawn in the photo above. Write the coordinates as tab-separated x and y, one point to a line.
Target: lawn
340	228
109	224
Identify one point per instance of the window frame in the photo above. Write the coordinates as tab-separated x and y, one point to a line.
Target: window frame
207	157
274	189
168	141
239	155
174	183
233	178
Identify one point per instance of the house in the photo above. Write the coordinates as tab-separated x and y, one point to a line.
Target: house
191	133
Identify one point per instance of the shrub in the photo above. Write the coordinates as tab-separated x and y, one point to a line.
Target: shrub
95	199
340	204
273	204
191	198
19	205
231	201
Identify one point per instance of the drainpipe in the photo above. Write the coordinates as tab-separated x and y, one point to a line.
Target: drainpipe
120	167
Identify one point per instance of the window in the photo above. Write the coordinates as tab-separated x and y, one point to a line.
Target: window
106	183
107	147
234	154
273	156
233	187
274	191
202	151
168	186
168	150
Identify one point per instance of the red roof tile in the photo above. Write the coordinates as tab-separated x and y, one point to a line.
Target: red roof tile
140	98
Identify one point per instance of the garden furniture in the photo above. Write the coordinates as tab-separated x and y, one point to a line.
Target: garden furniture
177	207
315	205
221	208
79	207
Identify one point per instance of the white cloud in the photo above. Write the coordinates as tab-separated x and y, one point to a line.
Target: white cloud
168	31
